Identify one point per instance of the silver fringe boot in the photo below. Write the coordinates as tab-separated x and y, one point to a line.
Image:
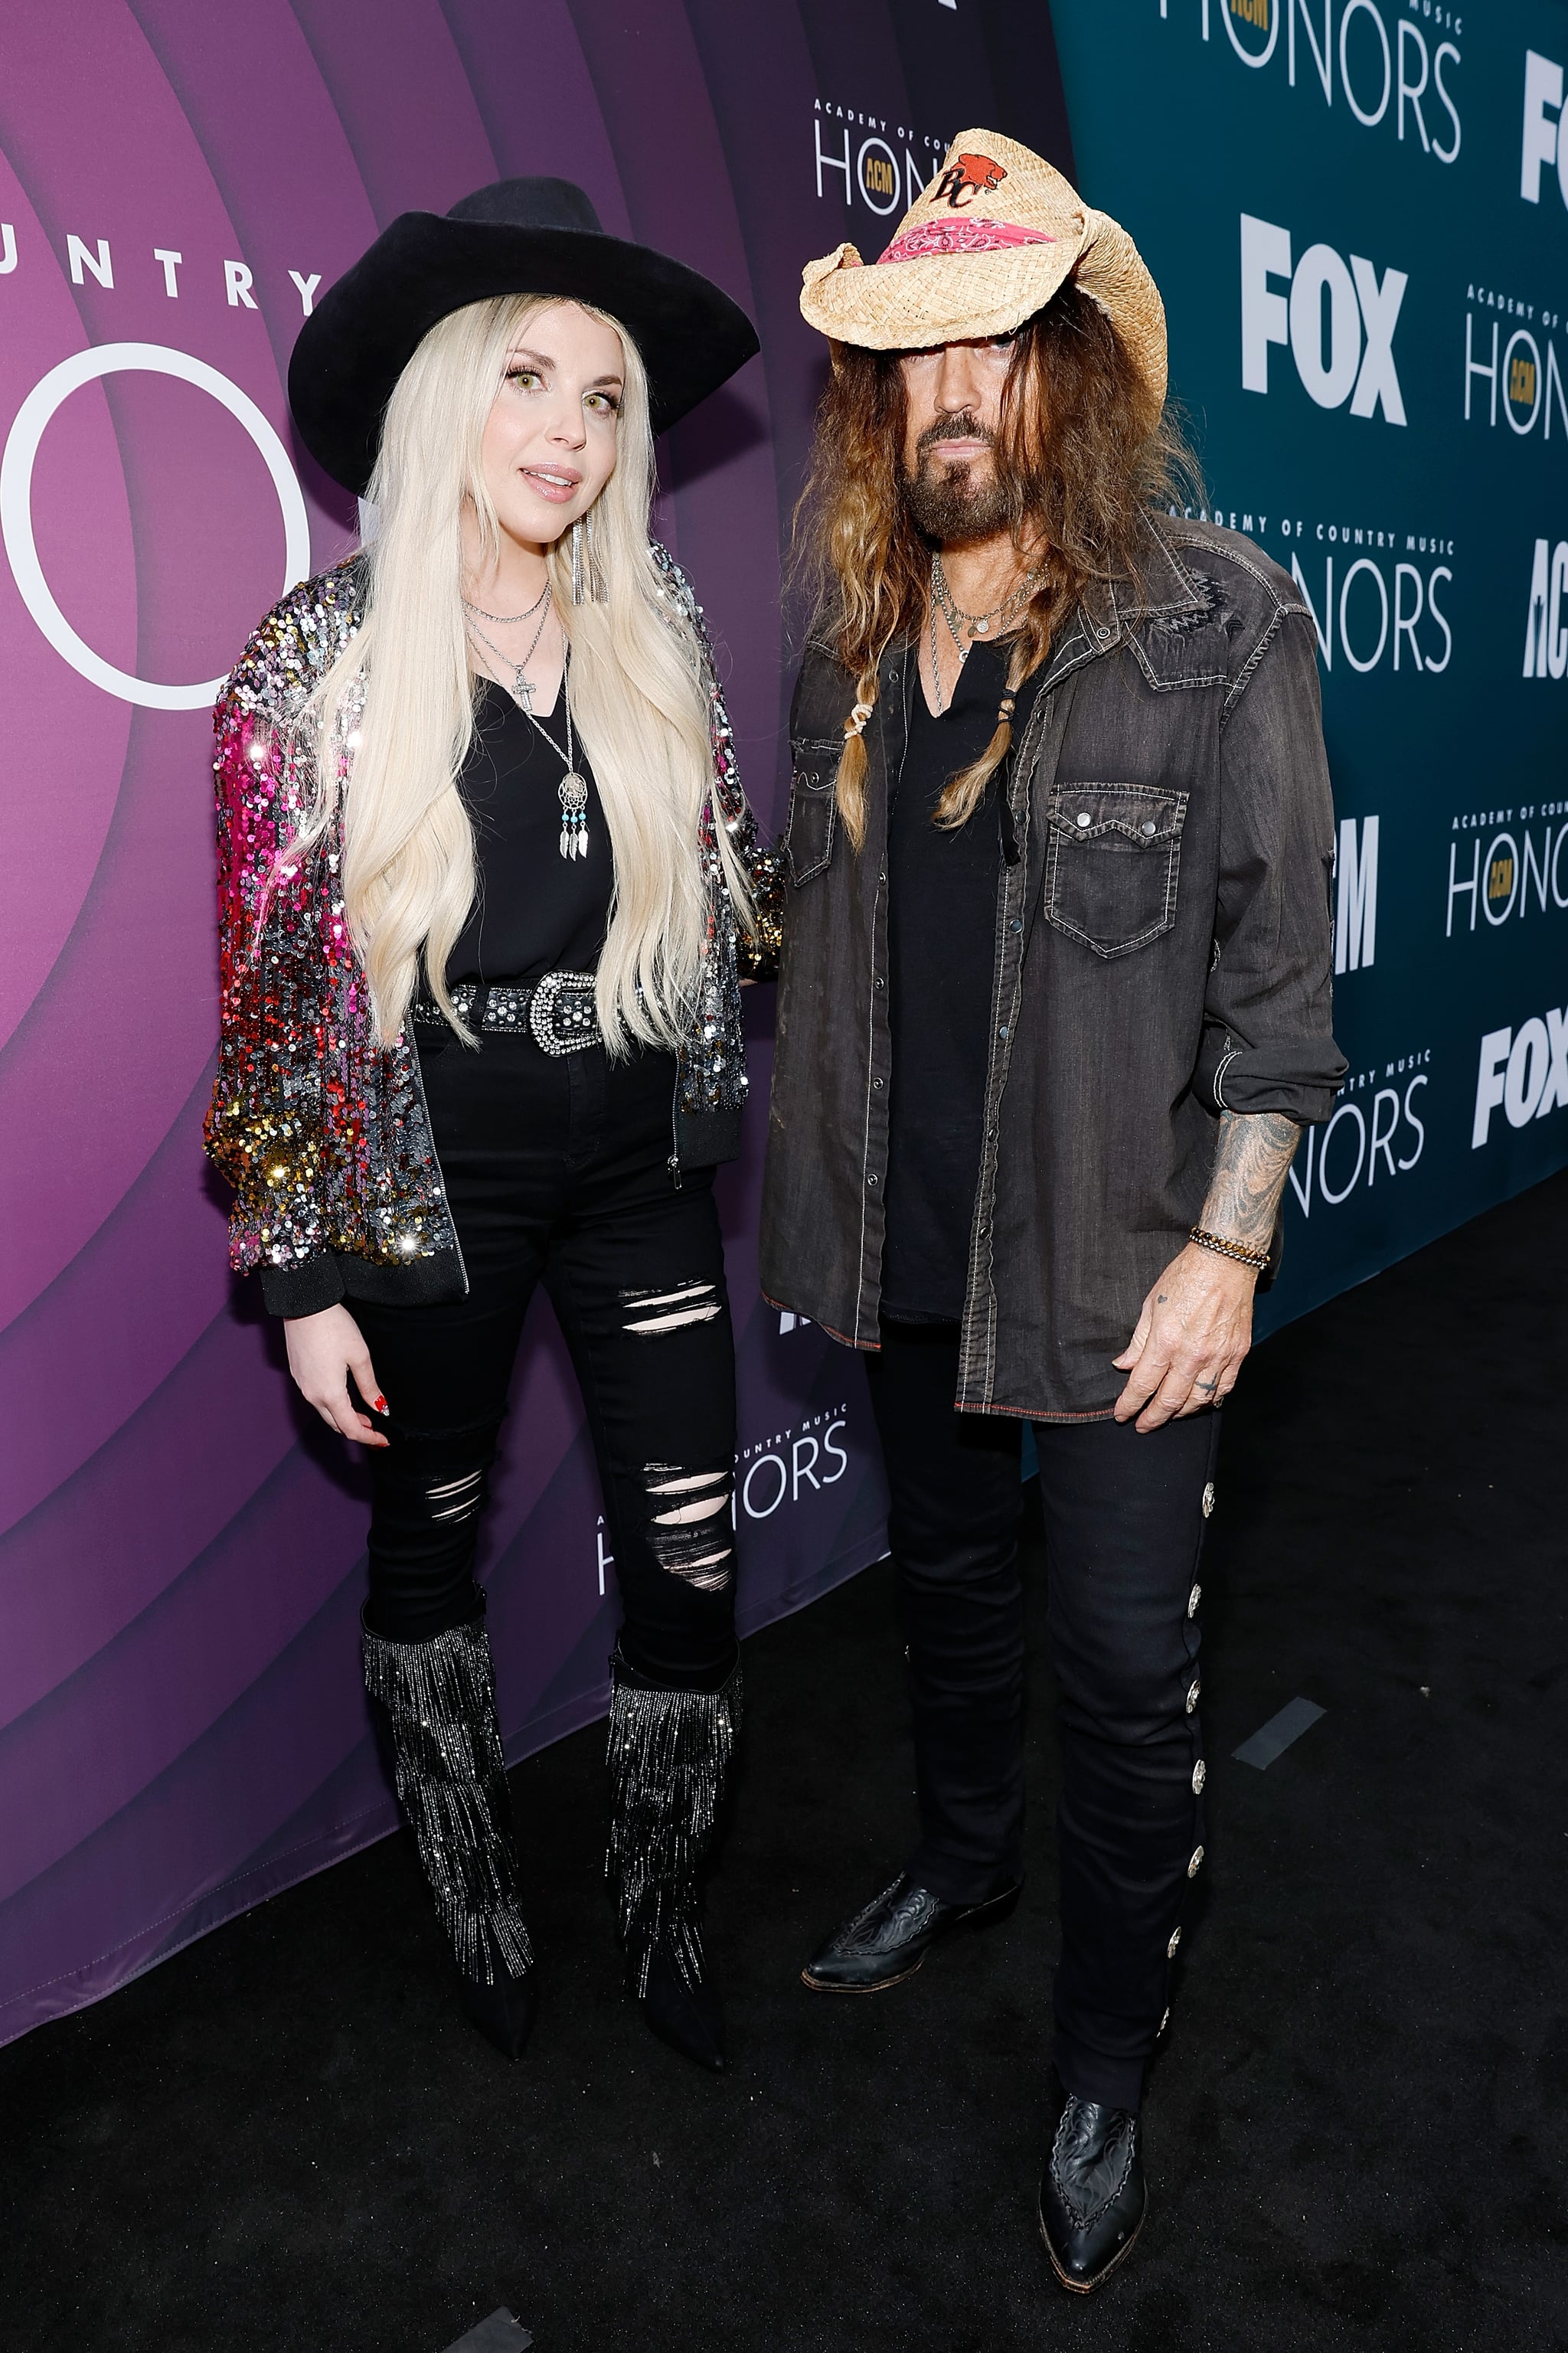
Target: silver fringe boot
438	1699
669	1754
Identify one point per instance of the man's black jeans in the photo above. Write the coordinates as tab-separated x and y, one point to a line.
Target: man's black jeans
1124	1519
557	1171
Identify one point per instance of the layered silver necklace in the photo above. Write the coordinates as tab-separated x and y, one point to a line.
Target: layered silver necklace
573	789
976	625
521	688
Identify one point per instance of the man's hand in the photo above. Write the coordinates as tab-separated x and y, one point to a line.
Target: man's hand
1195	1329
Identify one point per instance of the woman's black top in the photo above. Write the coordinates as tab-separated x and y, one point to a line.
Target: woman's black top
942	954
534	911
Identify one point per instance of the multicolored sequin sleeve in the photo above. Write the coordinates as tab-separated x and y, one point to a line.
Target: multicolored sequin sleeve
264	1124
757	944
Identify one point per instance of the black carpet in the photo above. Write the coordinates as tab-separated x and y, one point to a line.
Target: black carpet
1357	2134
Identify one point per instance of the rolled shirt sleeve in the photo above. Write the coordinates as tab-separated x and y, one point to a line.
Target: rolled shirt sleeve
1268	1038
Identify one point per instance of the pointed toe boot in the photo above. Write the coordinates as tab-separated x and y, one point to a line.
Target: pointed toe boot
438	1701
669	1754
1092	2197
687	2015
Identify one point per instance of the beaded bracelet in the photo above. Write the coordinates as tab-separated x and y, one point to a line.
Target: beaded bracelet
1257	1260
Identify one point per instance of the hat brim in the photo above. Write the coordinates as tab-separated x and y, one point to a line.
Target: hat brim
943	298
940	298
364	331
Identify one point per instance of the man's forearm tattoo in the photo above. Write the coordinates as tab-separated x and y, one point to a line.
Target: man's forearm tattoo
1256	1149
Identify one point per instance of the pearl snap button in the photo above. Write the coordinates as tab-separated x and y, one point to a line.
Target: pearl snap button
1148	825
1084	817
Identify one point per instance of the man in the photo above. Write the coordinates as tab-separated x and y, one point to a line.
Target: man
1054	1010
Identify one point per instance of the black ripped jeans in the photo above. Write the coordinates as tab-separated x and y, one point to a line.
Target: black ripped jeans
556	1171
1124	1518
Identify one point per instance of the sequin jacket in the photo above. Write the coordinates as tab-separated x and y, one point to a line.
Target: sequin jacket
322	1132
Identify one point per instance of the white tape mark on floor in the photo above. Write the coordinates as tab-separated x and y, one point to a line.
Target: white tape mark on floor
1273	1738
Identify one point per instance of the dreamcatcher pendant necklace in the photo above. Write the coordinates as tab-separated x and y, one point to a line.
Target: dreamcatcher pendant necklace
572	788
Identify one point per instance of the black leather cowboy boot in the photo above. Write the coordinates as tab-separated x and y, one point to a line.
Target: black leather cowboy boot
670	1755
1092	2197
439	1701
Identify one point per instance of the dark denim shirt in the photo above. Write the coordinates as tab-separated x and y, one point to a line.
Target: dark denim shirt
1161	953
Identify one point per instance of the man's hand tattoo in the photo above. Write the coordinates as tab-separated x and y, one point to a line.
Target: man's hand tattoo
1208	1388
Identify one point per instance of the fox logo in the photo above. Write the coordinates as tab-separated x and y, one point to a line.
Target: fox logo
971	175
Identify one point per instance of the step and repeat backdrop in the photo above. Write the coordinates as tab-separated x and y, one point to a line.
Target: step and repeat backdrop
1358	211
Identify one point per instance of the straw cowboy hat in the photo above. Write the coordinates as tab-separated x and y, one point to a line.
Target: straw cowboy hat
516	236
986	246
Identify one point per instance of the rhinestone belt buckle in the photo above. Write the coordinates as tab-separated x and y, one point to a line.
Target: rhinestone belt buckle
562	1015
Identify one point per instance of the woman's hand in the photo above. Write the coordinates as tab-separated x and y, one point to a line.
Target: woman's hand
1195	1328
324	1351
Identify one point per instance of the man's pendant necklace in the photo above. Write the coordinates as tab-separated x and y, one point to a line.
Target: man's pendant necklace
572	788
522	689
935	673
977	624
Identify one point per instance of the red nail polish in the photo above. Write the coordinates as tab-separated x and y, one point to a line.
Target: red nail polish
381	1405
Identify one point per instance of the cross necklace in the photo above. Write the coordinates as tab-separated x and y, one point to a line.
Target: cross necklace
522	687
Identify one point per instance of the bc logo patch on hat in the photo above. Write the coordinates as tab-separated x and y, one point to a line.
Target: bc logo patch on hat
986	245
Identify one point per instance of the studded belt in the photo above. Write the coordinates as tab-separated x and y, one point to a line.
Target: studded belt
558	1012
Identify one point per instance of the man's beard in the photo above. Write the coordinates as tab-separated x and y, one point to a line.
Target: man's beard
945	503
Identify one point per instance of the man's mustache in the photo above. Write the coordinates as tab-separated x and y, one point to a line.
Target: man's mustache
965	426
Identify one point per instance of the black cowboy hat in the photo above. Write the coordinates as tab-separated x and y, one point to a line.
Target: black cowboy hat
516	236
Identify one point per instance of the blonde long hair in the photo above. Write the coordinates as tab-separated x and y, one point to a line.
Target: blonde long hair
393	721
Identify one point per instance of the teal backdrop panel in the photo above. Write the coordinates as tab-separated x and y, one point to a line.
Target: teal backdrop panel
1357	211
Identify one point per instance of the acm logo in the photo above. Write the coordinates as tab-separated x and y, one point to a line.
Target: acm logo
1356	910
1508	879
1338	322
873	170
1529	382
1545	628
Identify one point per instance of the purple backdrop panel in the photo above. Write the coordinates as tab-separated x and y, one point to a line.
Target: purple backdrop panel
182	1730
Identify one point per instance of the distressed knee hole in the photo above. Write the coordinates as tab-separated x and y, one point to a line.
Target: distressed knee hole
458	1499
701	1507
652	1312
682	1537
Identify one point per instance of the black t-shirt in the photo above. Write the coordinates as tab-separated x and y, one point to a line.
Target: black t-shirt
942	947
534	911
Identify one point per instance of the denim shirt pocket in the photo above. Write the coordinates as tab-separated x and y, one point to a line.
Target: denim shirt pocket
813	810
1113	858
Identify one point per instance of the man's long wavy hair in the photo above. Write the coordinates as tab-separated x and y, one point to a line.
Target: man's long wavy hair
1083	458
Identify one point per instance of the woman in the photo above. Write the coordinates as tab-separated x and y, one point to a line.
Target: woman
487	879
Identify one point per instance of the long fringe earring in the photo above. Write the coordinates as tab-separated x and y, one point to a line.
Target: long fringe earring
577	561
